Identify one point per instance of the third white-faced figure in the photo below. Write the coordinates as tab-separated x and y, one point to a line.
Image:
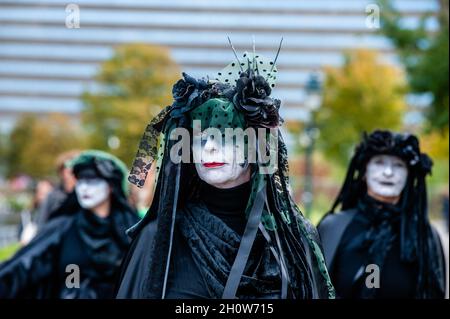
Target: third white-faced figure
381	244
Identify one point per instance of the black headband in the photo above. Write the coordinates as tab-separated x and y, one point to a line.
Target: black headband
405	146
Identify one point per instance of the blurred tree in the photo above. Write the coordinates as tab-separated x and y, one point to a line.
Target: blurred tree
362	95
20	137
35	142
436	144
3	153
425	56
135	84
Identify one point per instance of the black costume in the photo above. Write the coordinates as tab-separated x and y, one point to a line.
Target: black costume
78	237
197	241
397	238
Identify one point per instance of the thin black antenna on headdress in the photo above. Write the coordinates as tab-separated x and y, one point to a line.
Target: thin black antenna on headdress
235	54
255	63
276	57
249	66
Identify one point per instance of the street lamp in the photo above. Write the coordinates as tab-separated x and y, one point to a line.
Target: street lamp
313	93
313	101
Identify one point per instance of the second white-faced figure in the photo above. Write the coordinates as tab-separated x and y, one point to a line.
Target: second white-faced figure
77	255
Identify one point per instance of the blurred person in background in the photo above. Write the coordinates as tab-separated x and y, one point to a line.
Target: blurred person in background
28	218
78	254
59	194
381	244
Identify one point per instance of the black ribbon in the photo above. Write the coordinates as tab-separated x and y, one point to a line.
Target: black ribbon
246	245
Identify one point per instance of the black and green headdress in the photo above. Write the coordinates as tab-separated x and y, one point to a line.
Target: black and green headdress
237	97
103	165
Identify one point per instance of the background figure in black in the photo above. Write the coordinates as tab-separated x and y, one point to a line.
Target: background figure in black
29	224
77	255
59	194
381	245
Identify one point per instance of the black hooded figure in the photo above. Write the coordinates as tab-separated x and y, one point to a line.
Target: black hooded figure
201	240
77	254
381	247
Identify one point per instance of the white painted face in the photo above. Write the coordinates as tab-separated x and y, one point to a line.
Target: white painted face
218	163
386	176
92	192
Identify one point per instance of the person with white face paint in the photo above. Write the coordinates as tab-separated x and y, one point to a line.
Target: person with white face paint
94	194
386	177
218	164
221	226
77	255
381	244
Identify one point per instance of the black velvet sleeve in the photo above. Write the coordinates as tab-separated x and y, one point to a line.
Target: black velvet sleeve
28	272
136	265
441	260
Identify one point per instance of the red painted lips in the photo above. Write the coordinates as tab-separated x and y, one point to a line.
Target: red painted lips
213	164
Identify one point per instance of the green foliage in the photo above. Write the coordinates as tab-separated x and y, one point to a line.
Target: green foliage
436	144
135	85
22	133
3	153
362	95
425	56
8	251
35	142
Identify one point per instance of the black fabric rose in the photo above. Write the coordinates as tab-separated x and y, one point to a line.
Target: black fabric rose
187	94
425	164
408	149
410	155
252	97
182	90
380	142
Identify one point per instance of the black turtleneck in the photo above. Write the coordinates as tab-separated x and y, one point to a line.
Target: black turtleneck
228	204
185	278
92	245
